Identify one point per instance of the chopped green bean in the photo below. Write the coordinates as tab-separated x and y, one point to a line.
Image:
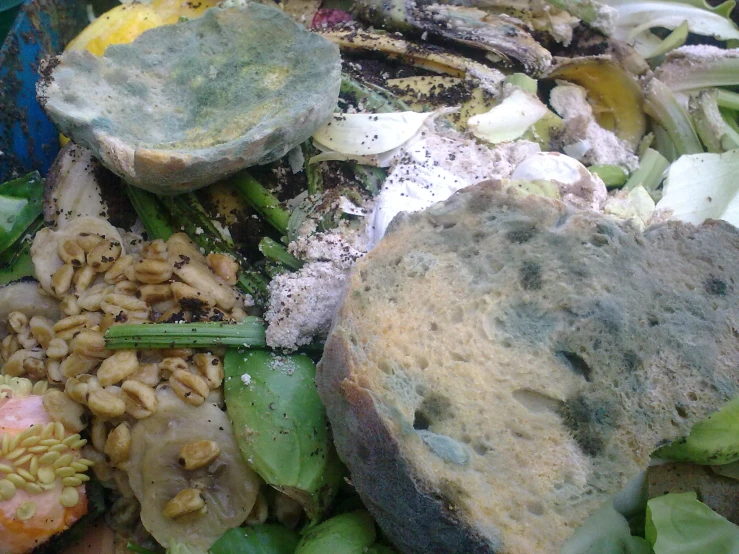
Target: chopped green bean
727	99
651	170
150	212
275	251
612	175
263	201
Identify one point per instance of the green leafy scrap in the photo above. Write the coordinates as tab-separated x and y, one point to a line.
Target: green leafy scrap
680	524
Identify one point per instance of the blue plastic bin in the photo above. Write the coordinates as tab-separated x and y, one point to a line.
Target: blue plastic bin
28	140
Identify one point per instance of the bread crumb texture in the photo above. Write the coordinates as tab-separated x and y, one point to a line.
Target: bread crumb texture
501	364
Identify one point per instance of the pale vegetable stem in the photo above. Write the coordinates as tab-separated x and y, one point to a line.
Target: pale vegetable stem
661	104
727	99
651	170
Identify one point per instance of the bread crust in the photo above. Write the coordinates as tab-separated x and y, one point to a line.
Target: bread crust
569	346
420	524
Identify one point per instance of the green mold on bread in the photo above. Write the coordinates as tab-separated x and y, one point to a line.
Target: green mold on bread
502	364
185	105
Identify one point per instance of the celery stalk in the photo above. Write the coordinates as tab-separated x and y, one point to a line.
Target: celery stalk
681	75
663	143
661	104
709	123
731	118
674	40
727	99
652	167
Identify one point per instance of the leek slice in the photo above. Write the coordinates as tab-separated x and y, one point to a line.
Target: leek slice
702	186
369	134
508	120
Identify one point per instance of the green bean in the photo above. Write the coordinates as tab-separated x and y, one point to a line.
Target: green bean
150	212
275	251
263	201
661	104
649	175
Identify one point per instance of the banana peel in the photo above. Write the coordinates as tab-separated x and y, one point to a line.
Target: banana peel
124	23
545	131
417	55
502	37
427	93
615	94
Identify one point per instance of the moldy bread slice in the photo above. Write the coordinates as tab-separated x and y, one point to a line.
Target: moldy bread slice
501	364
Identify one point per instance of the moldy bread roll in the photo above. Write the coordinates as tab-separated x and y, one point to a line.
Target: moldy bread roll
501	364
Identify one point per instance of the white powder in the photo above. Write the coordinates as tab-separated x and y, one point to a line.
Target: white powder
246	379
585	140
302	304
699	53
436	167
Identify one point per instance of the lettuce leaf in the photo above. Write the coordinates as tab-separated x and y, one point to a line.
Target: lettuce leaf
605	532
259	539
713	440
680	524
727	470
